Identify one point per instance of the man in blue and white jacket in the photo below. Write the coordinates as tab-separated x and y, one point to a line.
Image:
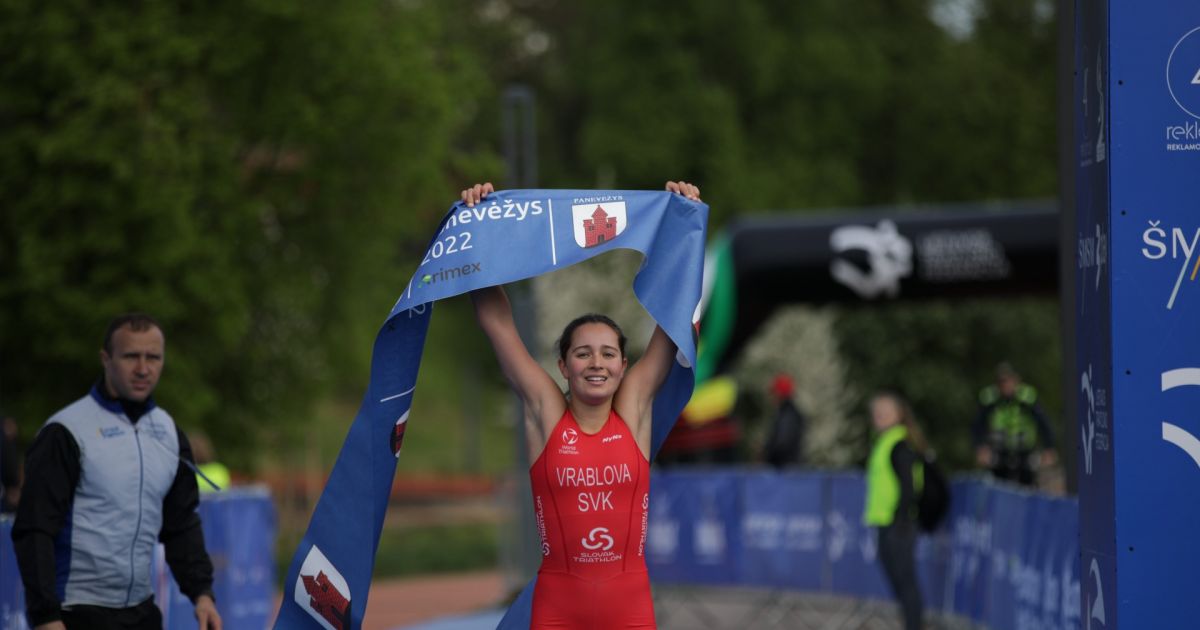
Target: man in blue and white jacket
105	481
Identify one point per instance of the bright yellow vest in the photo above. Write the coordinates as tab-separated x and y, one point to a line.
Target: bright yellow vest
883	486
215	471
1010	419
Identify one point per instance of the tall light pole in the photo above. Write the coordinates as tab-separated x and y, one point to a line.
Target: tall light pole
517	120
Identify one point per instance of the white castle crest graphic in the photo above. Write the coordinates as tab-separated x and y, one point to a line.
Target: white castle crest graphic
598	223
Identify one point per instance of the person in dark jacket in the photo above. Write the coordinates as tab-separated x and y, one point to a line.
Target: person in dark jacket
107	479
895	475
785	438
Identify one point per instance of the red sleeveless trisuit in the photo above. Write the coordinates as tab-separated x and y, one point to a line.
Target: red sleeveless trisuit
590	500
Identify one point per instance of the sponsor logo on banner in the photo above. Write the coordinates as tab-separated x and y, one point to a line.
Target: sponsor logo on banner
1092	254
1094	431
974	536
1093	149
1181	251
1172	433
778	531
958	255
942	256
839	535
322	591
709	540
1183	84
867	545
889	258
598	222
450	273
1095	598
664	533
397	437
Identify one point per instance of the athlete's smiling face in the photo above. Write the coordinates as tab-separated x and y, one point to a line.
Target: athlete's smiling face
594	364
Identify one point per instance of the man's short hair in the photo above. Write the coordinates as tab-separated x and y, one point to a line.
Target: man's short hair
1005	370
137	322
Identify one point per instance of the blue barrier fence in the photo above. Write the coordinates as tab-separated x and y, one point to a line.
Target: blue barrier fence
1005	558
239	531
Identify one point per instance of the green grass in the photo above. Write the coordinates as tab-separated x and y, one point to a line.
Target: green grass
438	549
419	550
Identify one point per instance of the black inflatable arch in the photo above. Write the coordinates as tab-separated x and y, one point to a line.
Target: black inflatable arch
879	255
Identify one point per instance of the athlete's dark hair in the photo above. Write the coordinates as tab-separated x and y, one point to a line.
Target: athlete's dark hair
564	342
137	322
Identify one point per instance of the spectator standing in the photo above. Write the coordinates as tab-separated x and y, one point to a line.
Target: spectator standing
895	478
107	478
785	437
1011	429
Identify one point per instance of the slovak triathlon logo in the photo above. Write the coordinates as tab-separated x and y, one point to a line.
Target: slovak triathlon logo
598	223
322	592
598	540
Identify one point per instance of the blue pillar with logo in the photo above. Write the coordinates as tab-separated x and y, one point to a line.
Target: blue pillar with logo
1137	131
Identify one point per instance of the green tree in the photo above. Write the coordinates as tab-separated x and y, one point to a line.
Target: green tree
776	105
256	175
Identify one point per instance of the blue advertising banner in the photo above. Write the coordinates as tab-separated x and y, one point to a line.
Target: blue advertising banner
971	552
670	511
1009	574
1155	155
1094	300
1000	548
783	538
852	546
698	527
1005	557
12	596
239	532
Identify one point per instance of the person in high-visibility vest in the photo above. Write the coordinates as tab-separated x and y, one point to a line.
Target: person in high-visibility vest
895	476
211	475
1011	429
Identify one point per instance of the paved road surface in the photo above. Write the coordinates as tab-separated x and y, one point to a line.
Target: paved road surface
469	601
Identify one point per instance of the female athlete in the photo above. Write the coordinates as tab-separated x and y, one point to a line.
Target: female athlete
590	452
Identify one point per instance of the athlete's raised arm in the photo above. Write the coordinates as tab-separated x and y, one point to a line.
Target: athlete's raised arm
642	382
544	402
646	377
